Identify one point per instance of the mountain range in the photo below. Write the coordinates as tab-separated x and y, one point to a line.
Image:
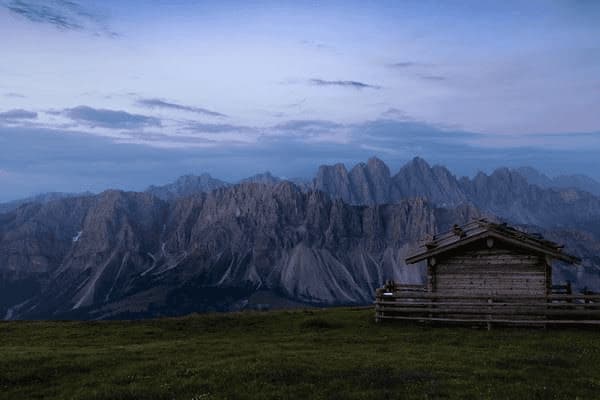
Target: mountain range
40	198
576	181
201	244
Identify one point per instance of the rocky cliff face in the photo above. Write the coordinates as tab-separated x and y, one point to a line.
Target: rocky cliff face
133	254
418	179
368	183
504	193
507	194
371	183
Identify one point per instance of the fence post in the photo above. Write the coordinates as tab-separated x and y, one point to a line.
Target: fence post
489	316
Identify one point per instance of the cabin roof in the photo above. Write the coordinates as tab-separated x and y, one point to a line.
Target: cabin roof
478	229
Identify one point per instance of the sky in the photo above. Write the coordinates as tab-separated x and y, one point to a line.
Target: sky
115	94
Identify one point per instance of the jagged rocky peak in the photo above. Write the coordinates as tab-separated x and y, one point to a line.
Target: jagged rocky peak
418	178
508	175
502	182
419	164
574	181
264	177
534	176
365	183
187	185
374	186
334	180
370	182
40	198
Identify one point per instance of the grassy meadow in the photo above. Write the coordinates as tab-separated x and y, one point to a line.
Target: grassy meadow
306	354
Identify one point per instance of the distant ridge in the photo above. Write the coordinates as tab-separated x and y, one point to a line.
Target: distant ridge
187	185
40	198
522	196
576	181
366	183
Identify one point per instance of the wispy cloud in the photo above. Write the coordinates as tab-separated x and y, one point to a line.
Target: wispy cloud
198	127
17	114
14	95
404	64
347	84
63	14
161	140
411	64
307	125
396	114
309	131
317	45
158	103
433	77
295	104
114	119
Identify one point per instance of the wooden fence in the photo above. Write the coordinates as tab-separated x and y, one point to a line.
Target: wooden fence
413	302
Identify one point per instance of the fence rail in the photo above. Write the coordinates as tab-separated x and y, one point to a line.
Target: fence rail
412	302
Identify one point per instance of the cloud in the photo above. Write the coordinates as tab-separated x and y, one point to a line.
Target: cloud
62	14
309	131
433	77
307	125
410	65
404	64
17	114
157	103
14	95
109	118
215	128
295	104
390	132
161	140
40	159
347	84
317	45
395	113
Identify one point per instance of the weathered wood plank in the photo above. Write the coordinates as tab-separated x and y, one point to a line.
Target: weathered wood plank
503	280
564	297
482	302
499	321
516	311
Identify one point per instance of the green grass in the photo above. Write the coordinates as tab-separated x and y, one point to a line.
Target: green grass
316	354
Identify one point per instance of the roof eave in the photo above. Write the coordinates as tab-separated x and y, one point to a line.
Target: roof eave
440	250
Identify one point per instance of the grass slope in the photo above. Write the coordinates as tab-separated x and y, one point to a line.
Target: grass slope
316	354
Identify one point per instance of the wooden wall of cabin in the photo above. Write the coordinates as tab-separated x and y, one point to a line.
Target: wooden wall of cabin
485	271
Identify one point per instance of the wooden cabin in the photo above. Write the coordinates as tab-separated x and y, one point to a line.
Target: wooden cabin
484	258
486	272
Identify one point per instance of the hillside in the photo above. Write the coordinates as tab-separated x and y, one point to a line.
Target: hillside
317	354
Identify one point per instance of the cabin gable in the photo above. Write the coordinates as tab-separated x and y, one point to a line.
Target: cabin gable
489	265
480	270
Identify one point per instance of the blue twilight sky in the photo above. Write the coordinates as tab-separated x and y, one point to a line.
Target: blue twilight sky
98	94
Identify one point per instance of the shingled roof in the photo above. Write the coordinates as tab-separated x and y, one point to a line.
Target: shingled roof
483	229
